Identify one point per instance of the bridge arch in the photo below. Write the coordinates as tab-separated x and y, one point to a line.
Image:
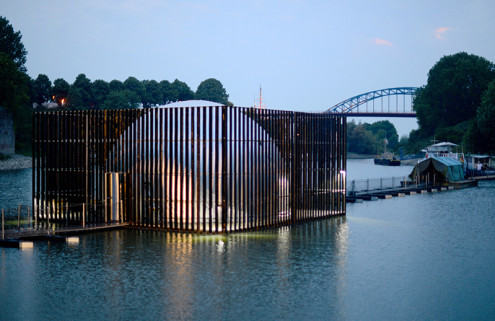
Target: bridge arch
351	105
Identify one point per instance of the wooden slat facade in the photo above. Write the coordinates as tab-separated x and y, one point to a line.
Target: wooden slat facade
203	169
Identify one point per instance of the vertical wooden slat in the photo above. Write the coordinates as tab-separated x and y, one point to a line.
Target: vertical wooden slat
187	172
224	179
192	168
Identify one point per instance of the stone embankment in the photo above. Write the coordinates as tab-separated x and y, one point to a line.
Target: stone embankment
15	162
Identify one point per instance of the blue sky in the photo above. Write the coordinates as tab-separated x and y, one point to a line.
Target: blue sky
307	55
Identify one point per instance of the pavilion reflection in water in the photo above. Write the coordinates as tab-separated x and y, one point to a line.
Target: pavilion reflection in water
207	169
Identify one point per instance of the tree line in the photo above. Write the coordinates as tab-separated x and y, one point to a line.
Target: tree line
131	93
372	139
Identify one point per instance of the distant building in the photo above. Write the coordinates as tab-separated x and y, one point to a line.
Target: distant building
7	134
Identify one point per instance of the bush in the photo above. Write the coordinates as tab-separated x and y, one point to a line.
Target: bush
4	157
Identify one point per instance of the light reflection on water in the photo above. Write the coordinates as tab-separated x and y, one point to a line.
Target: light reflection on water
429	256
15	188
140	274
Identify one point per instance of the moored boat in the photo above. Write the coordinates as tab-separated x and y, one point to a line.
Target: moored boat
444	149
387	161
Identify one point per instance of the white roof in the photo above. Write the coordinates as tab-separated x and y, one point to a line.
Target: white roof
443	144
477	156
192	103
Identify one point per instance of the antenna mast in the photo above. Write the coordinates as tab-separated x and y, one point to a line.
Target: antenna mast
261	105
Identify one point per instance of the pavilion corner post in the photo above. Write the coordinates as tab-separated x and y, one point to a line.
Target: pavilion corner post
224	179
86	173
293	191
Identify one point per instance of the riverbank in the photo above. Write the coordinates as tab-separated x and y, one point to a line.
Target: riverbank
16	161
358	156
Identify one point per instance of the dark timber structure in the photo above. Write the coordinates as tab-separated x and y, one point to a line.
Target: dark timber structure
211	169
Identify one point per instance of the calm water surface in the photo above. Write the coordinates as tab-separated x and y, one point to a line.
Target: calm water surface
429	256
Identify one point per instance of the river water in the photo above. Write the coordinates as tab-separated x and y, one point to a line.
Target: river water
428	256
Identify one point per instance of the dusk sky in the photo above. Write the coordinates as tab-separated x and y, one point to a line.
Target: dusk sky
307	55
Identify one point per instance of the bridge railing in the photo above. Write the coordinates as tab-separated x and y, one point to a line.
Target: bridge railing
379	103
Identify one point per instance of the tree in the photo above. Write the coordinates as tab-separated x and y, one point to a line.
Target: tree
11	44
100	90
80	95
453	91
183	90
42	89
116	85
13	85
135	86
121	99
170	94
384	130
14	96
212	90
360	140
153	93
60	90
485	122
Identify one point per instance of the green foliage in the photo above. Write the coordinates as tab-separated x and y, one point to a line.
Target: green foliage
170	93
471	139
483	130
60	90
360	140
84	94
100	89
453	134
4	157
212	90
121	99
13	85
135	86
447	106
372	138
416	142
153	93
42	89
453	91
80	93
183	90
14	97
384	130
11	44
116	85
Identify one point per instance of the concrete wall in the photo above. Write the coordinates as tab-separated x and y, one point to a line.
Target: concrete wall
7	136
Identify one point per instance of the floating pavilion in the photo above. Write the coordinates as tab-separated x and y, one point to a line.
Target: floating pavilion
191	166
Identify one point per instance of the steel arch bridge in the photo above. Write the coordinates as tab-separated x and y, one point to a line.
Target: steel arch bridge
372	104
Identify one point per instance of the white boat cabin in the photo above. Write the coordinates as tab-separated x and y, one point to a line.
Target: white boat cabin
444	149
479	162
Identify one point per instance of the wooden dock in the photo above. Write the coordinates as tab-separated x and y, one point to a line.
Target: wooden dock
372	195
14	238
484	178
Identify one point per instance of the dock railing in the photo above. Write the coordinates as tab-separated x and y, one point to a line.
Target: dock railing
17	218
381	184
23	219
